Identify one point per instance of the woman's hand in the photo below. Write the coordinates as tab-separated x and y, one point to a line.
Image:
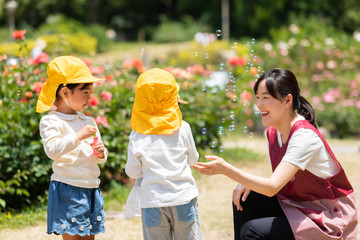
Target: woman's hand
240	192
216	165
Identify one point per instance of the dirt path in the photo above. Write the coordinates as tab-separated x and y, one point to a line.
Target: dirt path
214	203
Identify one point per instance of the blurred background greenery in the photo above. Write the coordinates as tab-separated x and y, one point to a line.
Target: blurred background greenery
118	39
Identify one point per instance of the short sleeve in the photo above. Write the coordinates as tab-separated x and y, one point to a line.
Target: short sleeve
303	146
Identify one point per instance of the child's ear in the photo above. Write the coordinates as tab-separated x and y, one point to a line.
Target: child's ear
65	92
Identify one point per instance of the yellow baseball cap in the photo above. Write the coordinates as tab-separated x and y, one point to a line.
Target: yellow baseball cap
156	105
62	70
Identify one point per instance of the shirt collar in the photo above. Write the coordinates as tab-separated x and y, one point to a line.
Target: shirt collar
69	116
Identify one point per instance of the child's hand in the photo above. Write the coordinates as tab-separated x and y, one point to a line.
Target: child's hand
99	148
86	132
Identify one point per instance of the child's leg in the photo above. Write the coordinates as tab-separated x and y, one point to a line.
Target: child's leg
186	221
66	236
156	224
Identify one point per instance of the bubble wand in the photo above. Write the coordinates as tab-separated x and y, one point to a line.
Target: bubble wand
96	139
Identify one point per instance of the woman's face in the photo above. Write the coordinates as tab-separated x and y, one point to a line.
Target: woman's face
272	109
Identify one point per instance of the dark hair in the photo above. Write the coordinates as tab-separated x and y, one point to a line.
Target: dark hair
71	86
281	82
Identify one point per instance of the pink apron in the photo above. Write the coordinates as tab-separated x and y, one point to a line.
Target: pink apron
317	208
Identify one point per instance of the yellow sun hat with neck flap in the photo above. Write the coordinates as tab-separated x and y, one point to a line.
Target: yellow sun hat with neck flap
156	105
62	70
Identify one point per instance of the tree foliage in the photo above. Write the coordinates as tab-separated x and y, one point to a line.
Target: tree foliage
247	18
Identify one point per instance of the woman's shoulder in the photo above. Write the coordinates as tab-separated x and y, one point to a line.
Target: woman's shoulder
307	137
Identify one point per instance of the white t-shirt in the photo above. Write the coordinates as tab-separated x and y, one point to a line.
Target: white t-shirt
163	161
307	151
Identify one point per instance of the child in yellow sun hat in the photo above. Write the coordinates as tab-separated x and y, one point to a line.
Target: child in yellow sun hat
75	202
160	152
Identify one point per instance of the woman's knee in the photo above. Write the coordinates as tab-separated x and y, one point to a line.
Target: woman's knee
249	231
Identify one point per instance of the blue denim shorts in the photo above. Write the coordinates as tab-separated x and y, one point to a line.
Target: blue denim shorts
74	210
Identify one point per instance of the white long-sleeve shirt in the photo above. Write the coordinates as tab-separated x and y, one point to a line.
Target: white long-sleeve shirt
163	161
73	160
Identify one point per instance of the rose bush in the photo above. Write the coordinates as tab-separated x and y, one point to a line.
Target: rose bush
326	62
26	170
216	80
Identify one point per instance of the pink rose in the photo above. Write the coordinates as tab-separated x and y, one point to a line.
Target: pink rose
100	120
106	96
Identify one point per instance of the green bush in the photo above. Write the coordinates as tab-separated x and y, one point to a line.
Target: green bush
99	32
325	62
26	169
81	38
62	36
23	163
78	43
172	31
325	65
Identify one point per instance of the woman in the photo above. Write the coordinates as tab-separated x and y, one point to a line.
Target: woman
308	195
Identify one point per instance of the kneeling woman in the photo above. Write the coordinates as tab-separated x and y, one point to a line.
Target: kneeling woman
308	195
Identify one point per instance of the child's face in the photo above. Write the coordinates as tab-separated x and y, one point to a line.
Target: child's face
78	99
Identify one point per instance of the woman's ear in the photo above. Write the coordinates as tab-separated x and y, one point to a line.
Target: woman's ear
289	100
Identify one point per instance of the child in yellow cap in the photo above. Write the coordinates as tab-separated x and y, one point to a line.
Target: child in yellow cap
160	152
75	203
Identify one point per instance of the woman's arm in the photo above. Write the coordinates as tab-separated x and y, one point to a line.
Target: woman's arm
266	186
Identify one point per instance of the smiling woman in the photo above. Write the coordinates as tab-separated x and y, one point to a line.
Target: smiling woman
308	195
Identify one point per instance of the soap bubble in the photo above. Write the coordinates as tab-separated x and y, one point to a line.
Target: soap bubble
232	126
203	131
245	129
213	144
221	148
220	130
222	66
232	115
218	33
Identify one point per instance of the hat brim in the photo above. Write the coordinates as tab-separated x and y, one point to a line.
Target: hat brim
183	102
88	79
48	92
